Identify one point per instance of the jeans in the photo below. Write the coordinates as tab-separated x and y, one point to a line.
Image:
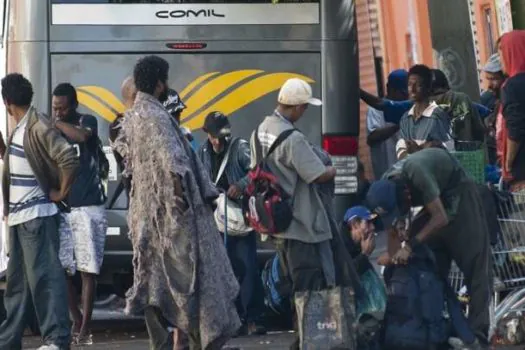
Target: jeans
35	277
242	252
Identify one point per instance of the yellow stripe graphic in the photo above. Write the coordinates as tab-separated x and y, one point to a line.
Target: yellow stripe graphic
214	88
96	106
244	95
106	96
104	103
194	83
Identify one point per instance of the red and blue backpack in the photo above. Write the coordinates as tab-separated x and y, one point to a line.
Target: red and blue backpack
267	207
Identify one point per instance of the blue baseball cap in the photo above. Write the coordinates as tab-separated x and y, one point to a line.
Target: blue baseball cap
398	79
382	199
359	212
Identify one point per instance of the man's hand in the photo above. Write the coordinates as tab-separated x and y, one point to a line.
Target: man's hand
368	245
384	259
56	196
412	146
234	192
402	255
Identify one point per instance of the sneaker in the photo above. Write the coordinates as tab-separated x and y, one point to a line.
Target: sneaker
83	340
49	347
458	344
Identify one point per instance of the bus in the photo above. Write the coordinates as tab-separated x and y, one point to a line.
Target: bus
231	56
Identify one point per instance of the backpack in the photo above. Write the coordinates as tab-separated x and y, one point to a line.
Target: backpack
102	160
266	206
100	157
415	311
277	289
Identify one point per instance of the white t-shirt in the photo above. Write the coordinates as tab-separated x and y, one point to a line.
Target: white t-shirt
27	201
383	154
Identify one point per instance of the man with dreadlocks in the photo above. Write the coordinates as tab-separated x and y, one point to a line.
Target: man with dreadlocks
182	278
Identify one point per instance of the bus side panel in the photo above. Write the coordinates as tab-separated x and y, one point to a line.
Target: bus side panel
242	85
32	60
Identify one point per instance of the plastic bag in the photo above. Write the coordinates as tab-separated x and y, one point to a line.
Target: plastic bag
326	319
373	298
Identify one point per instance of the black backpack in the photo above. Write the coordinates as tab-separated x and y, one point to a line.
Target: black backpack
100	156
266	206
417	298
102	160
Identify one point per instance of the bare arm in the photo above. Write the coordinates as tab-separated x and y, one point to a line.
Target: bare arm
438	220
371	100
327	176
512	151
74	133
381	134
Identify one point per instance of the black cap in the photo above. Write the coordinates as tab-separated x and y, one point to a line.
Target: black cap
217	125
173	103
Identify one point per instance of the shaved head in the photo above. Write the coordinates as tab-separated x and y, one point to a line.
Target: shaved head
128	91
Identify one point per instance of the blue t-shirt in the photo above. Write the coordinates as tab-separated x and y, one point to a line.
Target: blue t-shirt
483	111
394	110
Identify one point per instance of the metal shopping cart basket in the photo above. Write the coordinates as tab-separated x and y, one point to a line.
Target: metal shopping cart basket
508	260
471	155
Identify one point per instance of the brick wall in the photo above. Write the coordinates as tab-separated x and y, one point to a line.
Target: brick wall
366	73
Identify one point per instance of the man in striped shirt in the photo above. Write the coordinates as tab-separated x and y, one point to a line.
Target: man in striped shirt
39	168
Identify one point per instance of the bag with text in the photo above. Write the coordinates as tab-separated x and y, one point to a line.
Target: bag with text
326	319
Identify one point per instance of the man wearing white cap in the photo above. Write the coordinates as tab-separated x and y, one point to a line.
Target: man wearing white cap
494	77
304	247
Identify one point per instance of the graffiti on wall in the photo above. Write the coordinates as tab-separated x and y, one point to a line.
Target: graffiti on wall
452	64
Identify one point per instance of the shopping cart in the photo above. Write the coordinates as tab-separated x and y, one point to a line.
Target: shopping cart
508	260
472	156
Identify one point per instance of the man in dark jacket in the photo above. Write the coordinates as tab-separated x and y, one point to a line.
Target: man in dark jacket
39	169
511	140
242	251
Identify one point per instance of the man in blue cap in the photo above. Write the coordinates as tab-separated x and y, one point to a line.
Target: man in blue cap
382	136
359	222
450	223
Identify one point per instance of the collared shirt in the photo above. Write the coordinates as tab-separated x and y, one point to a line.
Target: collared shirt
27	201
433	125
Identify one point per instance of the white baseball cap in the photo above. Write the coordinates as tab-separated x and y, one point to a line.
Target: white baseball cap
297	92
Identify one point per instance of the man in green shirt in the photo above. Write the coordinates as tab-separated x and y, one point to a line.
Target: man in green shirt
450	222
466	123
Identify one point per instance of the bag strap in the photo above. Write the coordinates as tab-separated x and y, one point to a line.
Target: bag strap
224	162
280	139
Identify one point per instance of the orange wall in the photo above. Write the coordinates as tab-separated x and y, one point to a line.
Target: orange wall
479	6
396	35
367	78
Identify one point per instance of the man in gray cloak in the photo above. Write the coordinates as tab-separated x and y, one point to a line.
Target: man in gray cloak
182	276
